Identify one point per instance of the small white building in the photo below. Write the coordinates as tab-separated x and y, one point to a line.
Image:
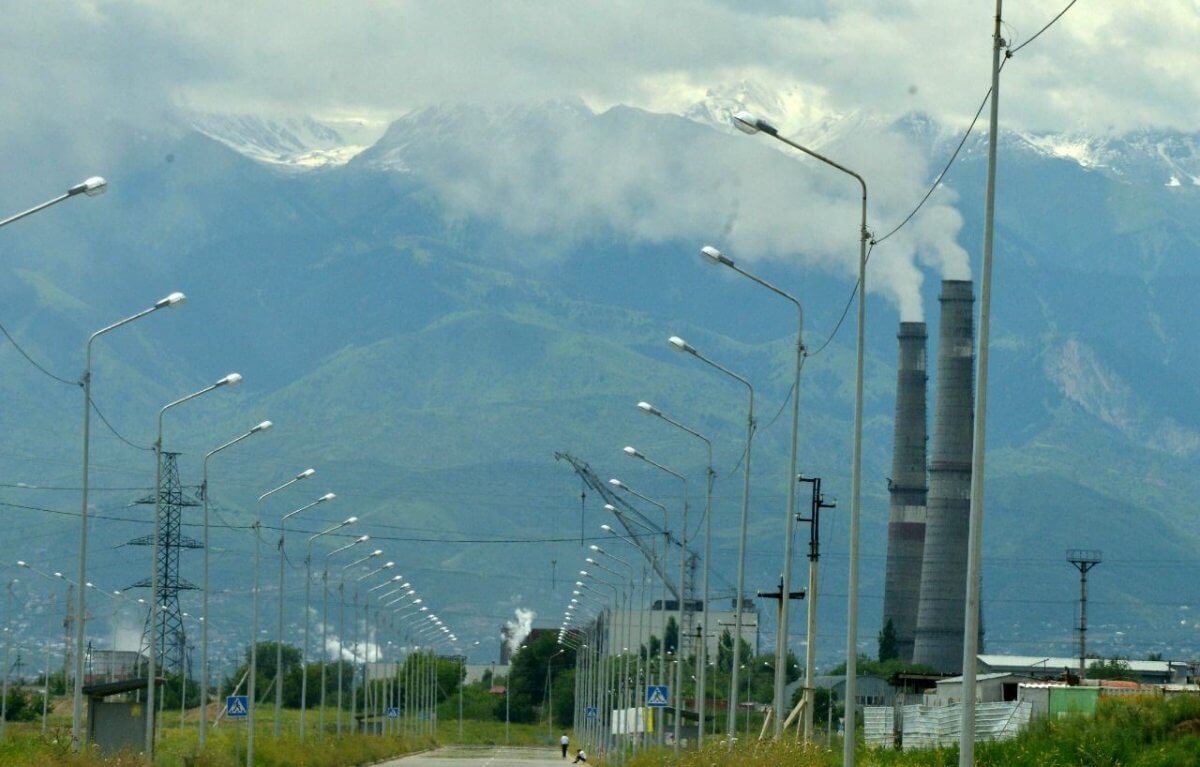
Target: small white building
989	688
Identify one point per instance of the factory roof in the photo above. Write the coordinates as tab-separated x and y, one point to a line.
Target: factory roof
1056	664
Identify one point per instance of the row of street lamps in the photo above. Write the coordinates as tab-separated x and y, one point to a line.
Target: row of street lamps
433	632
750	124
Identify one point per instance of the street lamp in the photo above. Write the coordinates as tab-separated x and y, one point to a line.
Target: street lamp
90	187
342	626
263	426
684	346
173	300
308	607
252	682
232	379
683	553
279	617
325	623
702	652
716	257
365	625
748	123
660	570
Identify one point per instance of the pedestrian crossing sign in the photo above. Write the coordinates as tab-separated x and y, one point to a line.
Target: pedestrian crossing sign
656	695
237	706
393	712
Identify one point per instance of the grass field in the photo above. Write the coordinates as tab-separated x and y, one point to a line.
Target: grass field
1129	732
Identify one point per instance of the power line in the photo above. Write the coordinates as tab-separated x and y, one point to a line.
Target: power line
1043	29
32	361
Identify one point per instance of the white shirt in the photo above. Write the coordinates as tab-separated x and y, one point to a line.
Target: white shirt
564	740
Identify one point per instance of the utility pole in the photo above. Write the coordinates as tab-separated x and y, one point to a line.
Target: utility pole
814	554
1084	560
778	596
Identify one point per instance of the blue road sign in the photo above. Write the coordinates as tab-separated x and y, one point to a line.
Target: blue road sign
237	706
657	695
592	712
393	712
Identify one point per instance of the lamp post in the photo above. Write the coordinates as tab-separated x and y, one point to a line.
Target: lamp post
342	627
7	645
307	608
731	716
175	299
716	257
263	426
662	671
683	555
90	187
252	683
637	673
748	123
702	651
230	380
279	617
325	623
354	658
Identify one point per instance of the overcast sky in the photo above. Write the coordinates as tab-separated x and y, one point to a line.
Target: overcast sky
1109	64
68	69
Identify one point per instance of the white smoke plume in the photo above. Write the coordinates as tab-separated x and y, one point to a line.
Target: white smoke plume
519	628
561	174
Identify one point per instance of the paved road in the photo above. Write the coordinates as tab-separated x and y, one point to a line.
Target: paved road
483	756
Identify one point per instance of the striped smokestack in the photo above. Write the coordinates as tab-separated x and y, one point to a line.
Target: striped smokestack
907	489
939	635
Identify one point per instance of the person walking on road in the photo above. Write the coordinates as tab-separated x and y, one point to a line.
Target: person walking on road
564	741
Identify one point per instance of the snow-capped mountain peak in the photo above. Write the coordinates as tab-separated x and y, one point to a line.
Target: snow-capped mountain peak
300	143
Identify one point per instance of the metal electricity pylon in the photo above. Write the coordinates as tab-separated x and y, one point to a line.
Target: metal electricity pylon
169	635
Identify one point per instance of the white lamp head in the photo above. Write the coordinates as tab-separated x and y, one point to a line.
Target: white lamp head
389	566
350	520
594	547
616	483
715	257
632	452
746	122
609	507
22	563
91	187
363	539
376	552
606	528
175	299
589	560
648	409
262	426
681	345
327	497
233	379
306	474
584	573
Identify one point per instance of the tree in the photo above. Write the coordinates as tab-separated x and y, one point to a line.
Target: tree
888	649
1111	668
671	636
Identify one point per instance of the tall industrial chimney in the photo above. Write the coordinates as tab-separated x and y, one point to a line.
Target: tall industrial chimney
939	635
907	489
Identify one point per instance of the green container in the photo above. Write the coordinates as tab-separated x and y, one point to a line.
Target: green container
1065	701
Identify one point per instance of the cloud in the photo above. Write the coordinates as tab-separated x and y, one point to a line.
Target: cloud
1101	67
561	173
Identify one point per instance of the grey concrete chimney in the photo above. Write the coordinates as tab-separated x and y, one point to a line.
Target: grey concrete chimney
939	636
907	489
